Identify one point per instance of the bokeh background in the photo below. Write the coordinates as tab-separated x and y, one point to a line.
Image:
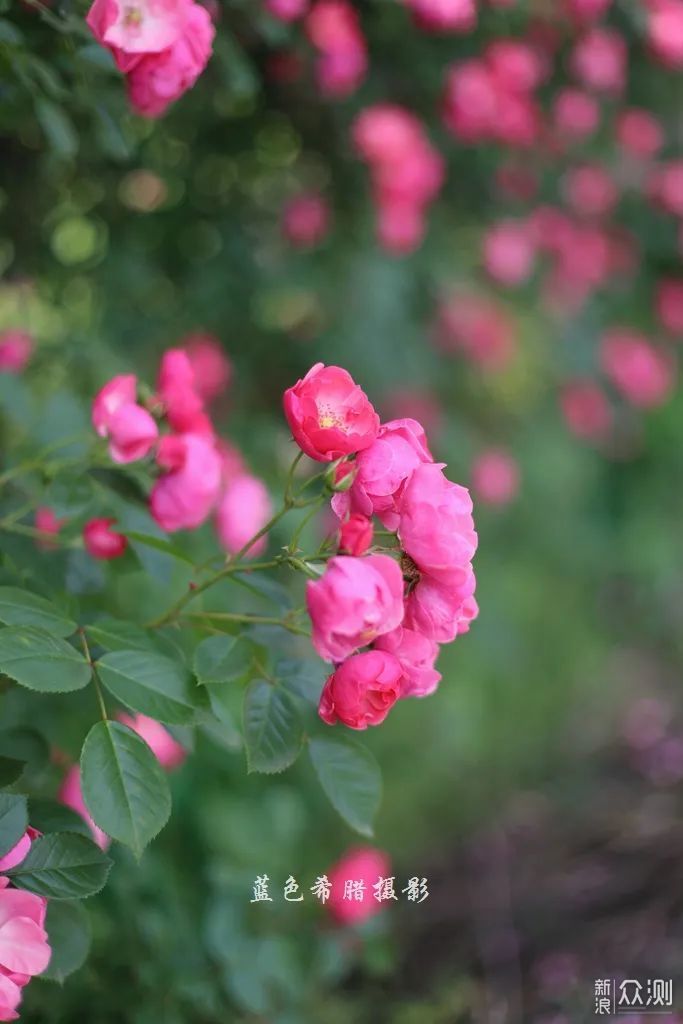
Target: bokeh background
539	790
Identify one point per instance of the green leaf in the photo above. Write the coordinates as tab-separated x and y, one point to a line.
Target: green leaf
62	866
159	544
150	683
42	662
22	608
304	677
68	930
272	731
57	127
27	745
124	787
116	635
10	34
13	820
49	816
221	659
10	770
351	779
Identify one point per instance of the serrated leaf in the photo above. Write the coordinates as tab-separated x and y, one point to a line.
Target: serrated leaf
304	677
62	866
221	659
23	608
68	929
124	787
351	779
149	682
49	816
116	635
272	730
42	662
13	820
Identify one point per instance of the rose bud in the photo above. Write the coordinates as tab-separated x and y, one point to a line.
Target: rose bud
101	541
355	535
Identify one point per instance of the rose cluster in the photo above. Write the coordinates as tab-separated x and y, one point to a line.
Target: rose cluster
379	620
197	474
162	46
24	947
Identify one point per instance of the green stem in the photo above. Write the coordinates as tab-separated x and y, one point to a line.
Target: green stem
294	542
95	677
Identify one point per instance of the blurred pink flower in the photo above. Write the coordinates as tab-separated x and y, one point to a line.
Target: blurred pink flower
16	348
71	795
243	509
444	15
639	133
211	366
47	522
306	220
495	477
669	305
599	60
168	752
365	865
576	115
665	32
184	497
509	252
586	409
287	10
642	373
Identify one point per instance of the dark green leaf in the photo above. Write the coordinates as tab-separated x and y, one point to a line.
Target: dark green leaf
13	820
10	770
220	659
159	544
124	787
304	677
23	608
116	635
68	929
62	866
57	126
149	682
49	816
272	731
350	777
42	662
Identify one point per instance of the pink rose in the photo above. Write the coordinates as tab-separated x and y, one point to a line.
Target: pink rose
210	365
329	415
131	430
444	15
24	947
71	795
16	348
441	611
243	509
642	373
132	28
665	32
168	752
495	477
416	654
576	115
382	471
436	527
362	690
355	535
185	496
364	865
178	392
159	79
101	541
355	601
